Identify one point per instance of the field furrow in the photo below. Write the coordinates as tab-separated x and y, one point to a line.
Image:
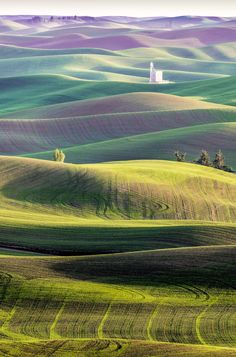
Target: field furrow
33	318
84	318
128	321
218	324
175	324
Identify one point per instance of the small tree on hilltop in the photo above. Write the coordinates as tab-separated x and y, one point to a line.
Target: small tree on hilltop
56	154
59	155
219	161
204	159
180	156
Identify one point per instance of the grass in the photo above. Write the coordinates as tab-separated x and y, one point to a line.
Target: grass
161	145
41	90
10	51
45	89
220	91
147	134
120	206
139	102
76	237
221	53
106	299
116	258
94	65
88	347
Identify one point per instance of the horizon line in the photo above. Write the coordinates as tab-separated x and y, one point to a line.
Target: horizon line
134	17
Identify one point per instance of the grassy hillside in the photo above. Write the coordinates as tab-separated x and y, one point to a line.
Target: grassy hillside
40	136
8	51
156	145
216	90
22	93
124	103
55	207
209	35
131	189
97	65
64	127
222	52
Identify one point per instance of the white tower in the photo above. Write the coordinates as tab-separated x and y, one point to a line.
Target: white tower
152	73
155	76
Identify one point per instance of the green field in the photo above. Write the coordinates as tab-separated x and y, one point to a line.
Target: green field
113	207
70	113
42	90
149	303
155	145
120	251
174	295
91	88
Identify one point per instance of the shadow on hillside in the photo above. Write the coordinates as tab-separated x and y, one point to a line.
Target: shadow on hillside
52	184
204	266
72	241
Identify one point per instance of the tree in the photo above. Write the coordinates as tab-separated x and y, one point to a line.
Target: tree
59	155
56	155
219	162
204	159
180	156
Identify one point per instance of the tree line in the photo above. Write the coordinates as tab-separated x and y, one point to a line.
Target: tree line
205	160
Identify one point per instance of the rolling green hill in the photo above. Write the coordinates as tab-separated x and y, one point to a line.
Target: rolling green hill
158	189
217	90
135	102
27	92
120	136
48	206
93	65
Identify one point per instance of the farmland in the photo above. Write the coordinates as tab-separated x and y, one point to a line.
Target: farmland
114	300
120	250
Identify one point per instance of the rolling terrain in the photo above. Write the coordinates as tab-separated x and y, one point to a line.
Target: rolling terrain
111	308
114	206
119	251
155	144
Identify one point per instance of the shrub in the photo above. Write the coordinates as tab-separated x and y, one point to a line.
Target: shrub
219	162
204	159
180	156
59	155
